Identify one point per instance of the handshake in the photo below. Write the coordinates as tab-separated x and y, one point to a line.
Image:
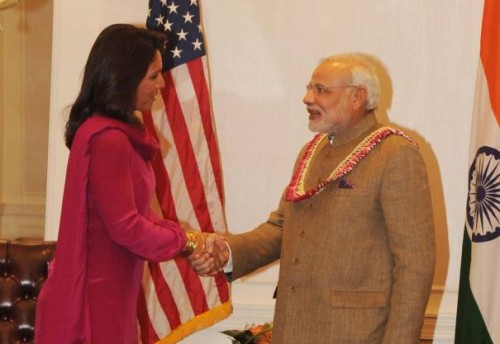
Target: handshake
207	253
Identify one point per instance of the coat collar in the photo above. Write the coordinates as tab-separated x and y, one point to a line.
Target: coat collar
360	129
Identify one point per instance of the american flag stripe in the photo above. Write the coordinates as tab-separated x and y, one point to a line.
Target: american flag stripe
196	71
206	153
148	333
163	184
185	151
188	88
188	191
165	296
200	155
189	179
169	279
158	297
194	289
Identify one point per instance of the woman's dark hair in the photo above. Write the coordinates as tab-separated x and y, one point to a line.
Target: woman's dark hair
118	61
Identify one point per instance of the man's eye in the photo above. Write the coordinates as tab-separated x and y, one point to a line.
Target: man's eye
319	89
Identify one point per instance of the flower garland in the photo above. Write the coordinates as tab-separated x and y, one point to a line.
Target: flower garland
296	192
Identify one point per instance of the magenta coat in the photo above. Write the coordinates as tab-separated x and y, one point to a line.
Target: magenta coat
106	232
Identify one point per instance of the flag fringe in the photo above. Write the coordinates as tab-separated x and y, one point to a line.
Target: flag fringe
198	323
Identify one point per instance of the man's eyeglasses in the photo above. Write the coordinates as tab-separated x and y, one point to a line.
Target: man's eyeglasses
319	89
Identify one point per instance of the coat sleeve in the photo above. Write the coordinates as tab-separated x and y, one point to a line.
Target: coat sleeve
110	181
259	247
407	208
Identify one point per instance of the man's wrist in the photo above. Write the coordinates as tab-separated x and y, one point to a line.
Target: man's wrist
228	268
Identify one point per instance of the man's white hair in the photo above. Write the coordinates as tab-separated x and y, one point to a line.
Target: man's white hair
362	74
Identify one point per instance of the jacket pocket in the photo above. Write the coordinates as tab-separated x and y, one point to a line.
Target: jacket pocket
358	299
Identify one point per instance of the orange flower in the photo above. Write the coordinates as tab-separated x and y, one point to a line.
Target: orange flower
262	333
256	334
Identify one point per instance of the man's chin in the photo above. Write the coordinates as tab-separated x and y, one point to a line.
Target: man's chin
315	128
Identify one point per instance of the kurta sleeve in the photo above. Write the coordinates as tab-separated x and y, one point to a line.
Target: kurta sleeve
407	208
112	188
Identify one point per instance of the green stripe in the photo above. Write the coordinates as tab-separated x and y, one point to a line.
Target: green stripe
470	327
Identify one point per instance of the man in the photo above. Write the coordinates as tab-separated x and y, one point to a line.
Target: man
354	228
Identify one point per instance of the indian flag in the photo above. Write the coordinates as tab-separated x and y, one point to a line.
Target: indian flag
478	313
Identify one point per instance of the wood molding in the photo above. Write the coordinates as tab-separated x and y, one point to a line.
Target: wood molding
21	220
18	209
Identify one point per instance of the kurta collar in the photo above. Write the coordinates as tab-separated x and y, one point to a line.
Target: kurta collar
359	129
140	139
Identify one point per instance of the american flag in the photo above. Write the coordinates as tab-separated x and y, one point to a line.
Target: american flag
175	302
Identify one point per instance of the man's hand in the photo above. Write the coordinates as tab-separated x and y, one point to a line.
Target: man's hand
214	257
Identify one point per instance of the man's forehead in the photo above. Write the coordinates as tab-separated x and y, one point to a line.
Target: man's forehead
333	70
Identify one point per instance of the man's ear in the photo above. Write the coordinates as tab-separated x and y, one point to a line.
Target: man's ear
359	98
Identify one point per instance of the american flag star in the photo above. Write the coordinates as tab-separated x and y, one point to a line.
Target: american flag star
180	21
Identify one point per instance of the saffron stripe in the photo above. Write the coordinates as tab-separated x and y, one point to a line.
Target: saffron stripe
490	52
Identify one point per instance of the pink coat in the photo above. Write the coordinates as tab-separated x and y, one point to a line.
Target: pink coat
106	233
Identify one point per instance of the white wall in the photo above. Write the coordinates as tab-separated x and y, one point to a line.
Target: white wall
261	54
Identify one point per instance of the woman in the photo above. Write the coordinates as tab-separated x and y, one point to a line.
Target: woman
107	229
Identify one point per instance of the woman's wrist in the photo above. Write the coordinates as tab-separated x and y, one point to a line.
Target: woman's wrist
195	243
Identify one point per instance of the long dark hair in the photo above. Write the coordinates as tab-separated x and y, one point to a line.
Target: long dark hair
118	61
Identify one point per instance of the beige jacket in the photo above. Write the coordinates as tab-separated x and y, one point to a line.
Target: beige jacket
356	264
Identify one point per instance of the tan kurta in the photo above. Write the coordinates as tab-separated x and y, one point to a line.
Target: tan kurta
356	264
